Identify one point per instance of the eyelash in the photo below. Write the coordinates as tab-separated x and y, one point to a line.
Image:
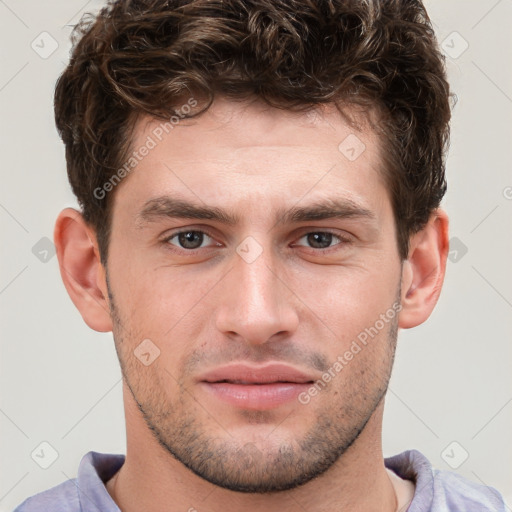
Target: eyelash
342	240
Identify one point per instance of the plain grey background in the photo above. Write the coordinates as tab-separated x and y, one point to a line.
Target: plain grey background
450	395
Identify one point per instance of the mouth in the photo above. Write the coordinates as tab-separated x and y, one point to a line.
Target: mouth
255	388
257	383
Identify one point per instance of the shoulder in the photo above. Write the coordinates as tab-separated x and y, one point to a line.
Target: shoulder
95	469
455	492
61	498
442	490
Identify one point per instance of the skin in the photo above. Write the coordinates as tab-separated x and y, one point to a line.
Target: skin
297	302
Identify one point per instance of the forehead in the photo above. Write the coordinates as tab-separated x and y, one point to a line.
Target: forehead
238	152
252	124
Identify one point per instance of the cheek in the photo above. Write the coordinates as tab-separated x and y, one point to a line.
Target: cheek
172	308
149	293
162	302
348	299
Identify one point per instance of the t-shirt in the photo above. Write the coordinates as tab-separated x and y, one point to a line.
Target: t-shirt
435	490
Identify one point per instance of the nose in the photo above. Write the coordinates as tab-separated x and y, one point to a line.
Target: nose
256	303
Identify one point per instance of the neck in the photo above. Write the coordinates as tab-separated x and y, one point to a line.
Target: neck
152	480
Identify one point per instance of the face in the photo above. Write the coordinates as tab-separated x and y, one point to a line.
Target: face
256	261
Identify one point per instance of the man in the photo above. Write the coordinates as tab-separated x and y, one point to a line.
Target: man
260	184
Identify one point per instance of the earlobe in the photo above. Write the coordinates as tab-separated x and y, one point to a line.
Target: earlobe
423	271
81	269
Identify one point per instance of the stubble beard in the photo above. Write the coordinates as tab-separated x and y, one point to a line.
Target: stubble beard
253	467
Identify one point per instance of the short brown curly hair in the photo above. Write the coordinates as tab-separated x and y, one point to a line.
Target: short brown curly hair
142	56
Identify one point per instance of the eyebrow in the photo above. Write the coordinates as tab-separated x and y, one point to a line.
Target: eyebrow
172	207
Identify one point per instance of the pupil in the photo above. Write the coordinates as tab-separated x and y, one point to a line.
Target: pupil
315	239
189	239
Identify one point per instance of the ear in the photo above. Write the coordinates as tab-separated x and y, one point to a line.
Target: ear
81	269
423	271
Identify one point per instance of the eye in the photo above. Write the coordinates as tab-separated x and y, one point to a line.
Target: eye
189	239
323	239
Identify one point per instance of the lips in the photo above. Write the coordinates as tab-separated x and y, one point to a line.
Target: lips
256	388
245	374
